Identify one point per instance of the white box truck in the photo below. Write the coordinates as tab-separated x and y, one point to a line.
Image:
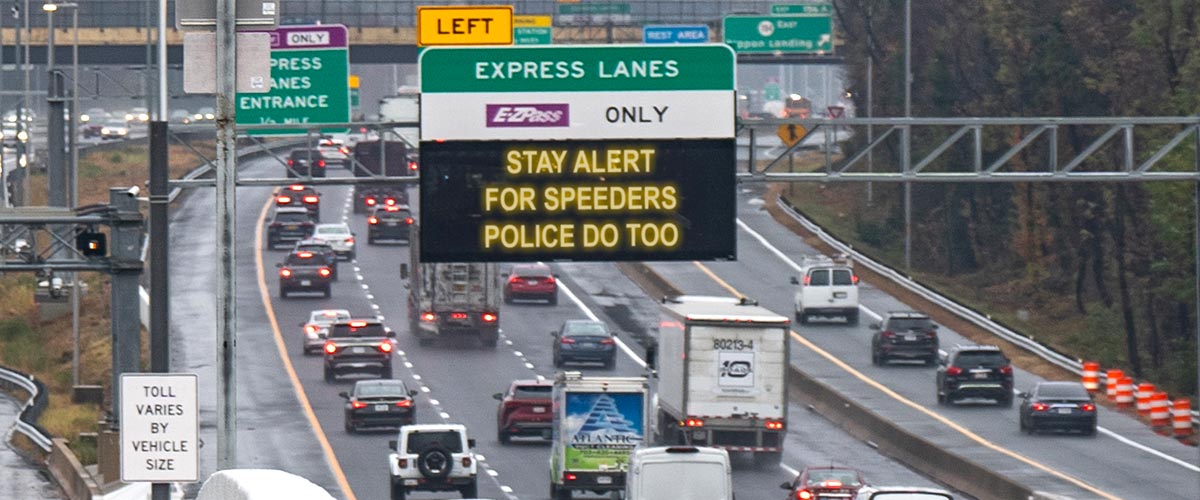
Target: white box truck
448	299
598	422
723	377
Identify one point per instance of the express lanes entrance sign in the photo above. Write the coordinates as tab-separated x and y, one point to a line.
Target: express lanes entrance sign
310	75
578	153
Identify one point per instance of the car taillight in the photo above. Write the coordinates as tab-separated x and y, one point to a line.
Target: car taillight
514	279
887	334
567	340
1006	369
402	463
291	162
404	403
389	201
428	316
408	220
324	272
345	150
607	342
283	200
330	348
854	279
385	347
931	333
358	324
372	220
1040	406
954	371
358	405
412	165
310	329
774	425
311	199
296	187
693	422
466	461
349	240
458	315
370	200
489	317
807	280
831	483
1088	407
569	476
549	280
803	495
285	272
320	163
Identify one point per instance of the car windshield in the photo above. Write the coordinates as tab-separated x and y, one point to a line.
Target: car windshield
1062	391
327	317
354	329
843	277
819	277
906	324
291	217
846	477
585	328
301	154
984	359
339	229
394	214
378	389
532	392
304	259
421	441
531	271
314	248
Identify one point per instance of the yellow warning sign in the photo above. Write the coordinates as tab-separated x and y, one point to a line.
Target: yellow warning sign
791	134
532	21
465	25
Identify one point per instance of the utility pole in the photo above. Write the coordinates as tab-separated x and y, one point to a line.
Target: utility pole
226	41
56	171
160	240
906	147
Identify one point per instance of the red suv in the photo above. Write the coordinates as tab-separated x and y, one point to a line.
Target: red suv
531	281
524	410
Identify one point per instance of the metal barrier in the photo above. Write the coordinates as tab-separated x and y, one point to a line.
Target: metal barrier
978	319
36	397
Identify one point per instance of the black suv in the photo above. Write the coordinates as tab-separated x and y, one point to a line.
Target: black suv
358	346
299	195
304	272
321	249
290	224
306	163
977	371
904	335
366	198
389	223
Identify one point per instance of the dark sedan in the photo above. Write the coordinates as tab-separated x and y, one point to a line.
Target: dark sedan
379	403
1058	406
582	341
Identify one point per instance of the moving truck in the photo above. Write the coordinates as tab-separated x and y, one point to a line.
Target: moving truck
726	383
448	299
598	421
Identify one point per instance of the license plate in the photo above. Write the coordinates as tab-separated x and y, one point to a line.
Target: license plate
292	226
358	350
305	282
910	337
381	407
539	409
1064	411
531	282
603	480
391	224
410	482
981	375
839	295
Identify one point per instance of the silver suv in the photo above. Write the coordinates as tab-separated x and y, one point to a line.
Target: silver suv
433	457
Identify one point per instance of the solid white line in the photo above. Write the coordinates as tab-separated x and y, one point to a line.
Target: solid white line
790	470
517	354
1107	432
592	316
444	415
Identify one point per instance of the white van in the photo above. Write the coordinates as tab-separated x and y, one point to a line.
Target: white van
828	287
679	473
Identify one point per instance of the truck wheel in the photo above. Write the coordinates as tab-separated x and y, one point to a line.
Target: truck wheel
802	318
470	490
330	376
557	493
328	291
502	436
282	293
554	299
397	490
386	371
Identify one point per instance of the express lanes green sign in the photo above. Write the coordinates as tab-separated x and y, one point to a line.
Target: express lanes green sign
310	83
576	68
804	34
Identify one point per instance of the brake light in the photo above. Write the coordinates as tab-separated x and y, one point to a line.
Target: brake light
607	342
514	279
807	279
693	422
324	272
320	163
489	317
345	150
330	348
458	315
803	495
358	405
389	202
311	199
402	463
385	347
774	425
953	371
358	324
372	220
567	340
296	187
428	316
349	240
371	201
569	476
412	165
408	220
310	328
887	334
285	272
1088	407
404	403
291	162
1006	369
304	255
466	461
1040	407
283	200
831	483
549	280
854	279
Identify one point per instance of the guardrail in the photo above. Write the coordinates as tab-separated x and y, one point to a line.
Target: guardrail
980	320
31	409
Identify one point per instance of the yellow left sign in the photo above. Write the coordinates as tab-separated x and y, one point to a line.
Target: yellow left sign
465	25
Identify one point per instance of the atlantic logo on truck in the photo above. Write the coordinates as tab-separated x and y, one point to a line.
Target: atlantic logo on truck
528	115
599	422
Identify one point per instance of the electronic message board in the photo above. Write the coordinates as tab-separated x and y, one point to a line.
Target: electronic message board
614	200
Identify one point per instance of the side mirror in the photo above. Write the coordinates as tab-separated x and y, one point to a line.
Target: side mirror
391	334
553	333
498	396
795	281
392	444
403	271
471	443
935	327
875	326
412	393
344	395
279	264
555	275
1024	395
785	486
614	334
502	275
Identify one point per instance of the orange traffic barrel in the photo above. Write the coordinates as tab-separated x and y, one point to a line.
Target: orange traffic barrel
1144	391
1111	379
1181	417
1091	376
1125	392
1160	409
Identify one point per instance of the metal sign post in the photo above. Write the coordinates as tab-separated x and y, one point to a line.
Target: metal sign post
226	173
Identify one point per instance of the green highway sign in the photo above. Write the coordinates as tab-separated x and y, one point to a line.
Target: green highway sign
795	34
310	83
593	8
802	8
534	35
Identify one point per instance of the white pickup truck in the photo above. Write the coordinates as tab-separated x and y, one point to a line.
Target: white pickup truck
827	287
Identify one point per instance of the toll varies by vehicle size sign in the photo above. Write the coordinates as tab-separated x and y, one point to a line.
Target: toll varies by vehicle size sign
160	429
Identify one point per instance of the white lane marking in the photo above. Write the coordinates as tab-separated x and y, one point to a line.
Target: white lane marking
408	365
592	316
540	377
787	260
435	402
444	415
379	317
1112	434
370	296
789	470
507	342
492	473
529	365
364	285
425	389
375	306
357	269
416	377
517	354
506	489
401	353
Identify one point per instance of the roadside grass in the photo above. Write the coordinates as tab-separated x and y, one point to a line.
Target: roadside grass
45	349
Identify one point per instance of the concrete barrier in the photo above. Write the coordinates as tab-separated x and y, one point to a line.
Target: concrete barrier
70	475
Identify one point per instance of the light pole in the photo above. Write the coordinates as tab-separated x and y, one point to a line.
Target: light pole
73	170
906	149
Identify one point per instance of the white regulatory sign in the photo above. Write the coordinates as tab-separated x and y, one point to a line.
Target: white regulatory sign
160	428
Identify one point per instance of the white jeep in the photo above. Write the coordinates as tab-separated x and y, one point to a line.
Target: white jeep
432	457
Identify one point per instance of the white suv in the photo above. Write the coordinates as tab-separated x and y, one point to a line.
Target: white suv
432	457
829	287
